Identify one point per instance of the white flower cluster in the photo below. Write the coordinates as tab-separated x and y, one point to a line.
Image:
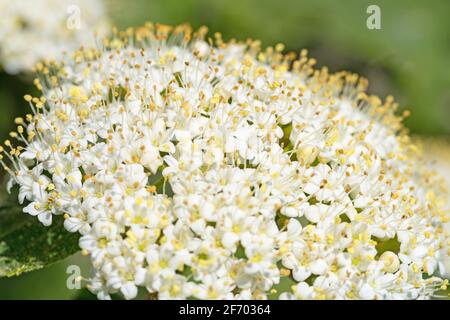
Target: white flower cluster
223	171
39	29
438	153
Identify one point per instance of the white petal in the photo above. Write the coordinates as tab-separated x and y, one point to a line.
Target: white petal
318	267
229	240
300	274
45	218
129	290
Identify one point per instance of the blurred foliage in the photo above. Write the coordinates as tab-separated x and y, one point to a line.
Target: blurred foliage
48	283
12	104
408	58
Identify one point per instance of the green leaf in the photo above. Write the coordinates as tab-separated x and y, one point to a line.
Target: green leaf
387	245
27	245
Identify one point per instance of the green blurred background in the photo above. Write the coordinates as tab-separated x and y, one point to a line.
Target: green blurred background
408	58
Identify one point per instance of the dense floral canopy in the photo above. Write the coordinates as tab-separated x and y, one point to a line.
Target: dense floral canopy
198	168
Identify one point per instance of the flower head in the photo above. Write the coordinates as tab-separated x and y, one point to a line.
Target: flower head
31	31
438	149
217	170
